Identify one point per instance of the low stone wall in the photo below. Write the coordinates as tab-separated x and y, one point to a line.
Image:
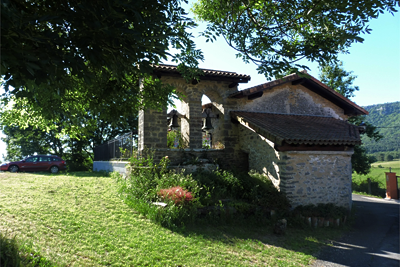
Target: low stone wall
110	166
312	177
225	158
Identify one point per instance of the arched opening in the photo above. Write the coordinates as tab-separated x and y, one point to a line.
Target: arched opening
211	128
174	122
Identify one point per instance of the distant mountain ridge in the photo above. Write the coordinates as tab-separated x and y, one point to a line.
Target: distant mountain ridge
386	117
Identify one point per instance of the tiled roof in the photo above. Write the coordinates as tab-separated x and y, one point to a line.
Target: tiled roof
300	129
242	78
311	83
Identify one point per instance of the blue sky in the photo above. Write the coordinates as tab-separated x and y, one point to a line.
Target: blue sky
375	62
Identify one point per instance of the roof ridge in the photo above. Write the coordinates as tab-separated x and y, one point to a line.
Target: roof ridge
211	71
277	113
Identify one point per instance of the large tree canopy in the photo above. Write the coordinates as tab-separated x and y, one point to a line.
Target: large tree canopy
277	34
86	57
46	40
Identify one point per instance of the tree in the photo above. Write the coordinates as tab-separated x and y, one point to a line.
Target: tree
46	40
388	157
24	142
361	163
77	151
275	35
342	82
336	77
55	51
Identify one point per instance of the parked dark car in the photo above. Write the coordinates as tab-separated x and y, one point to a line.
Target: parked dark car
49	163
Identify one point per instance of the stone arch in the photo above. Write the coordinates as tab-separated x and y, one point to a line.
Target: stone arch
213	108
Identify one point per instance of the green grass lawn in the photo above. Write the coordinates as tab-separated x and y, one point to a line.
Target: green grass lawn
386	164
79	220
378	172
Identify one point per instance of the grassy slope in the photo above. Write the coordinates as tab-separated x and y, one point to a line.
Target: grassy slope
80	221
378	173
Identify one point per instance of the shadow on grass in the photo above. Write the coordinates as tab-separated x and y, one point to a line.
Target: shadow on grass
14	255
78	174
89	174
299	238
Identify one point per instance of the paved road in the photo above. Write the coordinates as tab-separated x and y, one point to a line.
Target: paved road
373	241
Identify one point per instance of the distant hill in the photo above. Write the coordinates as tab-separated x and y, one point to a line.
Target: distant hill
387	118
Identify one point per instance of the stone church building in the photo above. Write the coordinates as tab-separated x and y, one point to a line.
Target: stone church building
293	130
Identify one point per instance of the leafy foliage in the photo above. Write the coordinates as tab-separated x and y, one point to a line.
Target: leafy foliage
63	61
377	188
46	41
276	34
145	185
336	77
176	140
361	162
77	151
326	210
386	117
216	193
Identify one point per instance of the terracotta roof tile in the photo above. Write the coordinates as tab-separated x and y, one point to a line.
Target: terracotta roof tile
207	73
300	129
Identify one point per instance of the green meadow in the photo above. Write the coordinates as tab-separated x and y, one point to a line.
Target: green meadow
79	220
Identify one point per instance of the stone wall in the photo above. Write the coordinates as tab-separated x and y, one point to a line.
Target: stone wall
311	177
307	177
152	129
263	158
292	99
226	160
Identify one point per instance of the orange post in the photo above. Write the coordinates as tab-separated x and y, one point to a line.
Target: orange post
391	185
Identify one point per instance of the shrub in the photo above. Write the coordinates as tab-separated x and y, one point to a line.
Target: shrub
377	189
220	194
175	140
388	157
149	182
252	188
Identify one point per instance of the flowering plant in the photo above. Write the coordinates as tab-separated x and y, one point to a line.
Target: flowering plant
177	194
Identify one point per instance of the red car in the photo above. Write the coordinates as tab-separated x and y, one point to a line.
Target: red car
36	163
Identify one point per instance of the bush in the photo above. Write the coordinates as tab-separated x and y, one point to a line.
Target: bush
175	140
219	194
377	189
388	157
149	183
372	159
